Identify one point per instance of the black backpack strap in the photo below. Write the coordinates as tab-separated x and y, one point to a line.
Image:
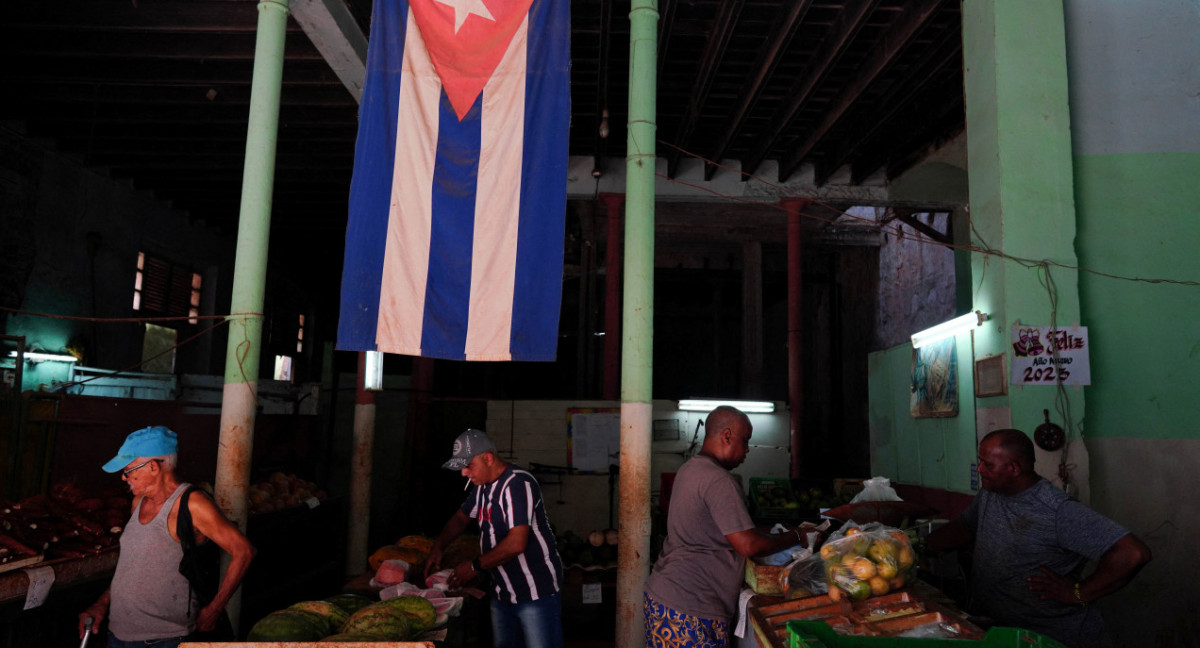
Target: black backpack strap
189	566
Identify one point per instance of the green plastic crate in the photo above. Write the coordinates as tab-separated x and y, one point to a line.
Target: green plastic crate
818	634
772	497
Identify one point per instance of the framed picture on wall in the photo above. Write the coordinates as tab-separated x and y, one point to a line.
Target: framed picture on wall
934	388
989	376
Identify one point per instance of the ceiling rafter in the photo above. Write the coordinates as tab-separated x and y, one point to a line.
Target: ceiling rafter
724	23
898	36
943	52
777	43
852	17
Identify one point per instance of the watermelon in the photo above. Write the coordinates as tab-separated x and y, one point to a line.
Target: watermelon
350	636
381	621
421	612
350	603
289	625
333	614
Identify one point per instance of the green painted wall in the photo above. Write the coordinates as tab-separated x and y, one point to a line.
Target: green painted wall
1140	217
934	452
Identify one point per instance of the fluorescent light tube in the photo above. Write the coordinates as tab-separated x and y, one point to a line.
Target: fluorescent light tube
749	407
947	329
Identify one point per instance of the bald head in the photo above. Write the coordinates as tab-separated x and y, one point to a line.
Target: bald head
723	417
1016	444
727	433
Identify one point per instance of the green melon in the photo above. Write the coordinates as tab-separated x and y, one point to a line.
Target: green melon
335	615
289	625
350	636
381	621
421	612
351	603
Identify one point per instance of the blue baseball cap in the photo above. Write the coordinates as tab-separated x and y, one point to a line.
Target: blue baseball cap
154	441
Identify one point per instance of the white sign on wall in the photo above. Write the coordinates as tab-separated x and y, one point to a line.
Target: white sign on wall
1034	360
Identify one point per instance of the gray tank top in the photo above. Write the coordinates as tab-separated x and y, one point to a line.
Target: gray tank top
150	598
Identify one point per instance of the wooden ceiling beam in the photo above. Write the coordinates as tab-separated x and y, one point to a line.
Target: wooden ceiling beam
849	20
196	116
723	25
158	45
165	73
768	57
941	58
173	15
912	21
666	22
330	94
926	119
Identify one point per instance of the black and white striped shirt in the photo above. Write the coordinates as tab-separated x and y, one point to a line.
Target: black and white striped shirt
515	499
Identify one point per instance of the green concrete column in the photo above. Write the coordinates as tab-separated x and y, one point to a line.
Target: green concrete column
239	399
637	343
1021	186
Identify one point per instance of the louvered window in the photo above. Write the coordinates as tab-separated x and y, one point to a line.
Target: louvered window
163	288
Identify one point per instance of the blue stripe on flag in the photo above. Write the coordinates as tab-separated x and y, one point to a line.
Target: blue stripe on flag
538	290
448	287
371	185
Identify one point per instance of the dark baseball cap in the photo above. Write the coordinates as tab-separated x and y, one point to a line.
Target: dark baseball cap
467	446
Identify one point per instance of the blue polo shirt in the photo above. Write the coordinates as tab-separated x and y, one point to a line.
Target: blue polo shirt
515	499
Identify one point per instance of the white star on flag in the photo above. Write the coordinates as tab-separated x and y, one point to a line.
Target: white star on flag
464	8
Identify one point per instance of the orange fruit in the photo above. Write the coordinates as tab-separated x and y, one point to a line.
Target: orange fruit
878	585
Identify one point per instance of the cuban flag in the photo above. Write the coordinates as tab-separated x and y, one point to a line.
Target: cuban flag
454	246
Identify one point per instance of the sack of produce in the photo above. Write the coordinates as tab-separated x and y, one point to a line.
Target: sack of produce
866	561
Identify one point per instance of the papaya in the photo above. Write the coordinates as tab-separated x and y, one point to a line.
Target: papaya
289	625
416	542
386	552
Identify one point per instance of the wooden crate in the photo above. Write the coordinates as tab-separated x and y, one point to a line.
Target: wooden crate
764	579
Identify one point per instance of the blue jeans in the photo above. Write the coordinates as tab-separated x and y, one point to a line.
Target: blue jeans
536	624
173	642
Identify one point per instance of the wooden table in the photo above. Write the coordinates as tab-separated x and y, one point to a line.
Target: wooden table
887	615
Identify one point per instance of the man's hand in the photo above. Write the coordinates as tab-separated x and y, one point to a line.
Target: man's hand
207	619
434	562
1053	587
463	574
96	612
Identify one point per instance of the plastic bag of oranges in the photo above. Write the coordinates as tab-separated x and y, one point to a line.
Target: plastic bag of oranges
865	561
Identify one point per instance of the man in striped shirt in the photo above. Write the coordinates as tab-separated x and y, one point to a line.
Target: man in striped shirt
516	544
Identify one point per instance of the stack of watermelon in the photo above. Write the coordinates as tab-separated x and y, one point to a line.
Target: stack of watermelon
348	617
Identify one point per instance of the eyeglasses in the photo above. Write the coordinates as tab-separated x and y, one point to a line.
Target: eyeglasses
125	473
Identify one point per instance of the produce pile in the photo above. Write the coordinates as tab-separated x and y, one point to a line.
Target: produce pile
66	523
348	617
415	549
280	491
861	562
599	549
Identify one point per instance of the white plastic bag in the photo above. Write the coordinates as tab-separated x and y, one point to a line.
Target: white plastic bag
877	489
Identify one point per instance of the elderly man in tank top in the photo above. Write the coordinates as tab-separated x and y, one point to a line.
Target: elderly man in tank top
149	601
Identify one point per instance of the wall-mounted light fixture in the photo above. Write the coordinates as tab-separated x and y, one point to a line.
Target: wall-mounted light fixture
35	357
373	371
749	407
946	329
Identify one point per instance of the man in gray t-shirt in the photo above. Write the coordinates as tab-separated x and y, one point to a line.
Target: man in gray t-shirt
691	594
1031	543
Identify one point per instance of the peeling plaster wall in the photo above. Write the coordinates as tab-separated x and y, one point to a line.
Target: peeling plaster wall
916	283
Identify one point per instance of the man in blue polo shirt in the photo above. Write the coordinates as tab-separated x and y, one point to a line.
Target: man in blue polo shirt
516	544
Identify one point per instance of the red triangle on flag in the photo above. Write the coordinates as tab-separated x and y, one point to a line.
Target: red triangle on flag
465	59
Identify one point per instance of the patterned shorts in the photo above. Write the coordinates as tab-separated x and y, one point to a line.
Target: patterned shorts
666	628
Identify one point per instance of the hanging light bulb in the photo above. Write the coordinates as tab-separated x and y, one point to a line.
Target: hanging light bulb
604	124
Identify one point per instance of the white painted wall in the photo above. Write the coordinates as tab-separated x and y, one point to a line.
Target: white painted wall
536	432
